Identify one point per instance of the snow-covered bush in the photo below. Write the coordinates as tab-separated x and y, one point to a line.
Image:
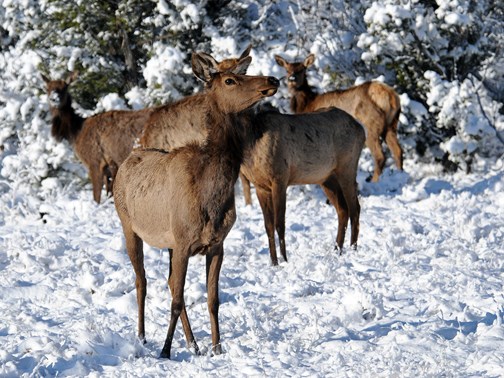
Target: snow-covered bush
444	58
441	53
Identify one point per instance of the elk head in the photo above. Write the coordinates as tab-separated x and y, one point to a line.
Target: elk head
57	90
232	92
296	72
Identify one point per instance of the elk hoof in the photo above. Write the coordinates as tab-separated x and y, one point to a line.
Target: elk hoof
193	347
165	354
216	350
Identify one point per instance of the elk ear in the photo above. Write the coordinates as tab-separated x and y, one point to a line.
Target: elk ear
309	60
72	77
209	58
45	78
202	67
241	66
246	52
280	61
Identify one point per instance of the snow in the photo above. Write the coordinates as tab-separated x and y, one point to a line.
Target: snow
422	294
111	101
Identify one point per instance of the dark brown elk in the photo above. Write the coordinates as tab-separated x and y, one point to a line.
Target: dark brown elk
374	104
184	199
168	128
101	142
316	148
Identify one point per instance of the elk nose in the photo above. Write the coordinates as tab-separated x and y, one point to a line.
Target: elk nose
274	81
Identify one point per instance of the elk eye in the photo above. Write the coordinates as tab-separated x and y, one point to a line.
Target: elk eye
230	82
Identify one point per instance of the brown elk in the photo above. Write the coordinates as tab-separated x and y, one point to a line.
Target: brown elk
184	199
315	148
374	104
168	128
101	142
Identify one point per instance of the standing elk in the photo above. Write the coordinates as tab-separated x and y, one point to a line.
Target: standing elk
374	104
184	199
168	128
316	148
101	142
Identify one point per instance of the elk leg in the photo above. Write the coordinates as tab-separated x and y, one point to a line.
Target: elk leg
176	281
111	173
266	203
279	197
96	177
332	190
349	188
191	341
134	246
246	189
213	267
374	144
106	176
395	147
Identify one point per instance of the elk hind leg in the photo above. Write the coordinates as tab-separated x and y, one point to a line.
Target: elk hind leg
334	193
374	144
395	147
348	185
266	202
246	189
96	177
213	267
134	246
279	197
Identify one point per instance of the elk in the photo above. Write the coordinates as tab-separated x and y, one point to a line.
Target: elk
169	128
315	148
184	199
101	142
374	104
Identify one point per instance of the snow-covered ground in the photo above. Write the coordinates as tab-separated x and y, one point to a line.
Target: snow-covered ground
421	296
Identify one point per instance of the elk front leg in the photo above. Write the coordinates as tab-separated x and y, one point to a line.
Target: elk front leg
178	266
191	341
213	267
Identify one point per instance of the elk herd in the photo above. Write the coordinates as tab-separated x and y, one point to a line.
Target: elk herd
176	190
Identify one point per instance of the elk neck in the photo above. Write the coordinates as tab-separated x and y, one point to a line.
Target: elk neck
225	141
301	97
66	124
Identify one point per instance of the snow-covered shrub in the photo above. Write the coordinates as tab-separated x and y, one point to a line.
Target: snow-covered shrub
444	58
441	52
461	106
